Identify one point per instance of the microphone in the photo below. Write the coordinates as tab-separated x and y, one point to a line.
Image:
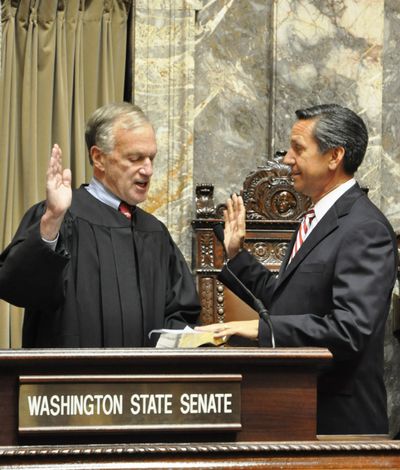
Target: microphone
260	307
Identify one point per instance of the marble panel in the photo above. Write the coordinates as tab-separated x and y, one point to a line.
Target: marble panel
163	87
390	193
390	188
332	52
257	62
231	92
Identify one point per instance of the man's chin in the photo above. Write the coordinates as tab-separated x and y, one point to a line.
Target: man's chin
297	186
137	199
297	183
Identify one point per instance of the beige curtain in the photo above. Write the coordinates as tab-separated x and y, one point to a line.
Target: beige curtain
59	61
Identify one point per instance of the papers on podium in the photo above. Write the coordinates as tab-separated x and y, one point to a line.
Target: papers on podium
186	338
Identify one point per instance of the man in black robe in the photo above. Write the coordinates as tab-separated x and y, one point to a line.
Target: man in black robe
91	268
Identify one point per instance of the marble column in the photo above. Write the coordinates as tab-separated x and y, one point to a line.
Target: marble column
337	52
390	193
164	88
232	90
390	188
332	52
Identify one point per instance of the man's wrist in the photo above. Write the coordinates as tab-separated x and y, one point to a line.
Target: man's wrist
50	226
231	254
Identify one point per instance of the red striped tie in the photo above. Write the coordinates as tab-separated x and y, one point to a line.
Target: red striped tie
304	228
125	209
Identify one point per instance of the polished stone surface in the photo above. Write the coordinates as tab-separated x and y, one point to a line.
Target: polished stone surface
232	89
257	62
221	79
163	87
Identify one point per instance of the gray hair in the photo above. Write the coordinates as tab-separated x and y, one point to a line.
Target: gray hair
337	126
100	128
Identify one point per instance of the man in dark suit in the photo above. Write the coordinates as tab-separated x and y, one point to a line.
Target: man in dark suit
335	291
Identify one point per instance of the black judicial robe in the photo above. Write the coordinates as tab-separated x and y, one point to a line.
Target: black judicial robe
86	292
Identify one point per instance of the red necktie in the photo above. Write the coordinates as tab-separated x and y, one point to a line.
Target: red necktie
304	228
125	209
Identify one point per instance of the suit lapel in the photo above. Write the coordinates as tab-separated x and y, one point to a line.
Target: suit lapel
325	226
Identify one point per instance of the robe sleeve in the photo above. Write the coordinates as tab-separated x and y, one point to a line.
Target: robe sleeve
182	302
31	273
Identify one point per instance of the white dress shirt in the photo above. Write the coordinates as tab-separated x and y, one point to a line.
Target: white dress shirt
325	203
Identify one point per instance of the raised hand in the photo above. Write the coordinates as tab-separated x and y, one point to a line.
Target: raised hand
235	225
58	195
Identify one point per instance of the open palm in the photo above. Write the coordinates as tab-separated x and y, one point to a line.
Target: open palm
58	184
235	225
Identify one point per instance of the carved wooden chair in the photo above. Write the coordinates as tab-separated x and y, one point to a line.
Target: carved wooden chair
273	210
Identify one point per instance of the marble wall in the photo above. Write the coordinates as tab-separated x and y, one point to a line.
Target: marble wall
222	79
333	52
164	87
390	177
232	91
390	157
257	62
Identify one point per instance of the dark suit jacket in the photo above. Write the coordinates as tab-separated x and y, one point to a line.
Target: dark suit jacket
335	293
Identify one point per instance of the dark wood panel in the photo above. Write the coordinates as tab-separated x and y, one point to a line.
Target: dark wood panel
272	382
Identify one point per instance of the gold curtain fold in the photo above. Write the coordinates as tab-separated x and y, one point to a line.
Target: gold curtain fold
60	60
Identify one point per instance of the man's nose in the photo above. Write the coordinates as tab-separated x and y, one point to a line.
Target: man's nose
289	159
147	167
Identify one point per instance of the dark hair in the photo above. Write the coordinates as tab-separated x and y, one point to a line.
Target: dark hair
337	126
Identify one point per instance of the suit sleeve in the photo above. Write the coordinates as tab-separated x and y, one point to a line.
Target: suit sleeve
31	273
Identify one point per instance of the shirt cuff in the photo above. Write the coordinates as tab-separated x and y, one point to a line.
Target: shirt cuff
52	243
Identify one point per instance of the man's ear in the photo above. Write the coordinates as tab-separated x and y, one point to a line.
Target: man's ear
97	157
336	159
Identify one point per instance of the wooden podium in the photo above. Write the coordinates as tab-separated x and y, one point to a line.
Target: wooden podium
273	389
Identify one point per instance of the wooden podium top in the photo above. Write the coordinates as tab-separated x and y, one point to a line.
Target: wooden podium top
277	356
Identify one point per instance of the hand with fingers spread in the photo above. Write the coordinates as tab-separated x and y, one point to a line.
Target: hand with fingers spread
246	328
58	195
235	225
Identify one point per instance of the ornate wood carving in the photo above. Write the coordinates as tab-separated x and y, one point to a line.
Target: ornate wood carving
207	249
206	293
268	193
205	201
273	209
336	447
220	310
268	252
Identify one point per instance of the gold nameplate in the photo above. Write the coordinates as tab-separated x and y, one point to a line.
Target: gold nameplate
119	403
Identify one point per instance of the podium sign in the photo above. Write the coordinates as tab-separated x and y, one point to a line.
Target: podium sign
119	403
